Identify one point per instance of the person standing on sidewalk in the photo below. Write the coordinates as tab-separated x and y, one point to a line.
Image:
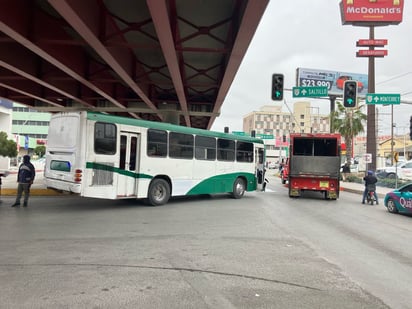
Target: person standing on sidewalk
345	171
25	178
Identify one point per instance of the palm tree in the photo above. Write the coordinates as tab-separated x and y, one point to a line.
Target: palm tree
349	123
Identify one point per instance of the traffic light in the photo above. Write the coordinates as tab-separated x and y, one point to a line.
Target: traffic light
350	91
277	87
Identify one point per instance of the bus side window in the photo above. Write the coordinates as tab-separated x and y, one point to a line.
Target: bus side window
181	145
205	148
156	143
225	150
244	152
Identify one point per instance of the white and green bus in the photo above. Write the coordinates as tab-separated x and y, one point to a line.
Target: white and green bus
110	157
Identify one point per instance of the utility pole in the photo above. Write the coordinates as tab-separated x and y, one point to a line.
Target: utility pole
332	100
371	127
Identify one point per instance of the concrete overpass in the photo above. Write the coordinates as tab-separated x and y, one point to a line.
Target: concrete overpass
160	60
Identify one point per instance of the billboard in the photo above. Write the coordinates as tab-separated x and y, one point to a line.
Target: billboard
371	12
334	80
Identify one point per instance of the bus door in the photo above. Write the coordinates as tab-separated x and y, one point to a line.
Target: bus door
128	164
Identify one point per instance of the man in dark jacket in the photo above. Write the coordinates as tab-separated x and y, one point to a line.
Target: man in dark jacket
345	171
370	182
25	178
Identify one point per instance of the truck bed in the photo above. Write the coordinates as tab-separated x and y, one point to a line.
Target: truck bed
314	166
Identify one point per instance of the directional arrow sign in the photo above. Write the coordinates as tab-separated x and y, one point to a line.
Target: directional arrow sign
299	92
379	98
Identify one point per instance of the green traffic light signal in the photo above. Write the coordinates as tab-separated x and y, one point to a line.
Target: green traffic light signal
350	92
277	87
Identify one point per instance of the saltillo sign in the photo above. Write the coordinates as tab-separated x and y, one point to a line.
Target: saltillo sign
371	12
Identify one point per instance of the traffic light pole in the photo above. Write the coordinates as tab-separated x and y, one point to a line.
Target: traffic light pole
371	127
332	100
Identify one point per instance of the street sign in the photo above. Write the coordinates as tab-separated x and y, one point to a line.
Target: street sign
380	98
367	157
265	136
240	133
299	92
372	53
368	42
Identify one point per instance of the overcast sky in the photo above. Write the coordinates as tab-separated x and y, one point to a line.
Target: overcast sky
309	34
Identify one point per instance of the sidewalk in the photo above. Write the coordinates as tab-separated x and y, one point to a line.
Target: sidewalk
358	188
38	188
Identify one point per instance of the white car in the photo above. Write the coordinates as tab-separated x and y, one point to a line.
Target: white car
402	169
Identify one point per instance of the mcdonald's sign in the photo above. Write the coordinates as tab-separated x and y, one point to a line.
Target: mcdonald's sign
371	12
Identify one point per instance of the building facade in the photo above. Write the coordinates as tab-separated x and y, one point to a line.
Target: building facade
271	120
29	127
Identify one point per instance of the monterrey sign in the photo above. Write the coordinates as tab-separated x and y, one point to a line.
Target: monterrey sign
371	12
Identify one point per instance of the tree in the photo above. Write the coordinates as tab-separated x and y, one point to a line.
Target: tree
349	123
8	148
40	150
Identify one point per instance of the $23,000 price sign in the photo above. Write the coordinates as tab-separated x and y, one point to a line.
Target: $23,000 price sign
306	82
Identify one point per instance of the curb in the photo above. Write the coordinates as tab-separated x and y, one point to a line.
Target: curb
33	192
380	195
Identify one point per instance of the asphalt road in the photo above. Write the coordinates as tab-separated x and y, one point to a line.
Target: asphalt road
262	251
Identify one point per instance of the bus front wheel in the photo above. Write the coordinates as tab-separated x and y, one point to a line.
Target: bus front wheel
159	192
239	188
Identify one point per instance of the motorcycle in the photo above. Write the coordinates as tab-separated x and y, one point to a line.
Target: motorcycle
370	194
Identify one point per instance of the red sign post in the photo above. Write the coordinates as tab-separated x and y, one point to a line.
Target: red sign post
372	53
376	43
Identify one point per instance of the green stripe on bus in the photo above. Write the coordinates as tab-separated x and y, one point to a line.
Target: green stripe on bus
215	184
223	183
105	167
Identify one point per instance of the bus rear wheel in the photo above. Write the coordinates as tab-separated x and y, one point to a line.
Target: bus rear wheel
159	192
239	188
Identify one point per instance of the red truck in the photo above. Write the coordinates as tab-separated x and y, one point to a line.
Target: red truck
314	164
